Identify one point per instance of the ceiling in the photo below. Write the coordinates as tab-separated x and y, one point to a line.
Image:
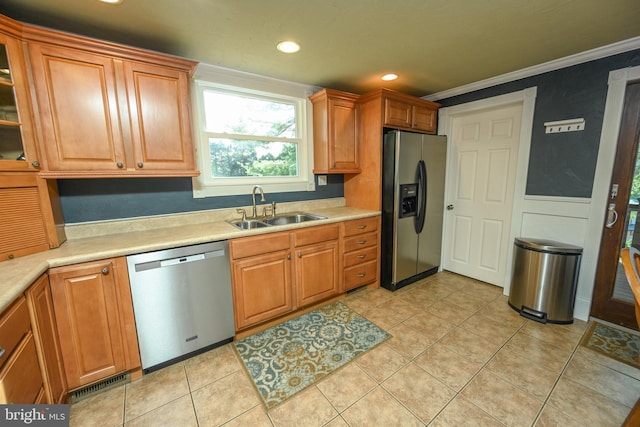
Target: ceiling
433	45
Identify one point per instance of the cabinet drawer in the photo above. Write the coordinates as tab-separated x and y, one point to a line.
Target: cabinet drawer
318	234
359	226
360	242
20	380
360	274
257	245
14	325
358	257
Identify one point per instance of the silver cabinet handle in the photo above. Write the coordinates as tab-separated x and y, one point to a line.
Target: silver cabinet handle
299	254
140	165
361	242
105	271
2	352
361	227
120	165
361	275
36	164
362	256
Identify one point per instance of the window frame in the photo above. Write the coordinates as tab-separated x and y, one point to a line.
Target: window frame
235	82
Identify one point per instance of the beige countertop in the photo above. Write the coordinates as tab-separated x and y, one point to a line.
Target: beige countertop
126	237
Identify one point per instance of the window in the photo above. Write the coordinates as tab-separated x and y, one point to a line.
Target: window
250	137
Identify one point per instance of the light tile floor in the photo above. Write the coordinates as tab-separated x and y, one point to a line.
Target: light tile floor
458	356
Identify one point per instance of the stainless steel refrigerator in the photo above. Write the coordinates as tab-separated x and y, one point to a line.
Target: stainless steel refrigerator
413	176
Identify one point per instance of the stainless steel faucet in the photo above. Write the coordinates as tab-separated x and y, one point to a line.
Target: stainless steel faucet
253	196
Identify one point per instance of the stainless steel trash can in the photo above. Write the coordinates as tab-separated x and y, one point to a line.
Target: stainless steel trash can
544	280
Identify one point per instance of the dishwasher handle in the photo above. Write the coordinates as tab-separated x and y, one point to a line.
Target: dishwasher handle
151	265
181	260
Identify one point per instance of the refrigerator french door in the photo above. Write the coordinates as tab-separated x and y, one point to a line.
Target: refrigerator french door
413	178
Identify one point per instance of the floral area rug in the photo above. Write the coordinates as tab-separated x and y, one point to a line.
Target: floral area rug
614	343
291	356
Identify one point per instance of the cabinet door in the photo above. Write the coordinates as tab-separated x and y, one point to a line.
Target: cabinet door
424	119
78	106
343	140
317	272
160	118
85	300
22	227
17	140
397	113
46	339
261	288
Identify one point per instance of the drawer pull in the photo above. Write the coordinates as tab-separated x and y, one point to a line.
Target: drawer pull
105	271
361	275
361	242
2	352
361	227
362	256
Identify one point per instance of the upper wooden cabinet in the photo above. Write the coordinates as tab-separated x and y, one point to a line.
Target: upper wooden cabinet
335	136
107	110
18	148
410	113
377	110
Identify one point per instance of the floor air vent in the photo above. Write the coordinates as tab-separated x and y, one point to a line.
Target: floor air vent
96	388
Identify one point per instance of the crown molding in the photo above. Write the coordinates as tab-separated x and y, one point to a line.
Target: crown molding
568	61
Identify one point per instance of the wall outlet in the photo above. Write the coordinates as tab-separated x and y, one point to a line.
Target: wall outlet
322	179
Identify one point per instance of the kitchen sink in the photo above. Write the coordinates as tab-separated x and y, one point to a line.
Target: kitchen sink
283	219
292	218
249	224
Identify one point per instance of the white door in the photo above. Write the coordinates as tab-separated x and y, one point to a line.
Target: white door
481	186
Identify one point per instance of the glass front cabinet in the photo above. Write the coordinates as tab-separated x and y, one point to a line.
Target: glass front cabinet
17	140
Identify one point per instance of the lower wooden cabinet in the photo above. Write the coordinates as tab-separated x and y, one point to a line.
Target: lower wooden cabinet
20	377
261	276
46	340
274	274
361	252
316	263
95	321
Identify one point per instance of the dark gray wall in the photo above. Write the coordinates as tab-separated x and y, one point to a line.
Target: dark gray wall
563	164
113	198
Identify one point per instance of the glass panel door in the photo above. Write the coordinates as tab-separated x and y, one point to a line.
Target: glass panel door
11	147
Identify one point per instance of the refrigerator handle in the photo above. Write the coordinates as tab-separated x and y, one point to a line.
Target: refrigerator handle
421	177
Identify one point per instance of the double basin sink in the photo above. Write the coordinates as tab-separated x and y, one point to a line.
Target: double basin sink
283	219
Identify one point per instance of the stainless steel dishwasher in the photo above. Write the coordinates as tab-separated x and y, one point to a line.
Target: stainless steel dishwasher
182	302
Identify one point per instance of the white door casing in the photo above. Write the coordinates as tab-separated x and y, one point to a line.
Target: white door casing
489	143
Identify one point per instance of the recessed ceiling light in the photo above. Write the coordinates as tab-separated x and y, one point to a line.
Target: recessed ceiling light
112	1
288	46
389	77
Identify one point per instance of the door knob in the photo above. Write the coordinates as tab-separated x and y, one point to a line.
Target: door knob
449	207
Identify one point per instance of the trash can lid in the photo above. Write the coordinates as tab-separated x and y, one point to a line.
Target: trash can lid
547	245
